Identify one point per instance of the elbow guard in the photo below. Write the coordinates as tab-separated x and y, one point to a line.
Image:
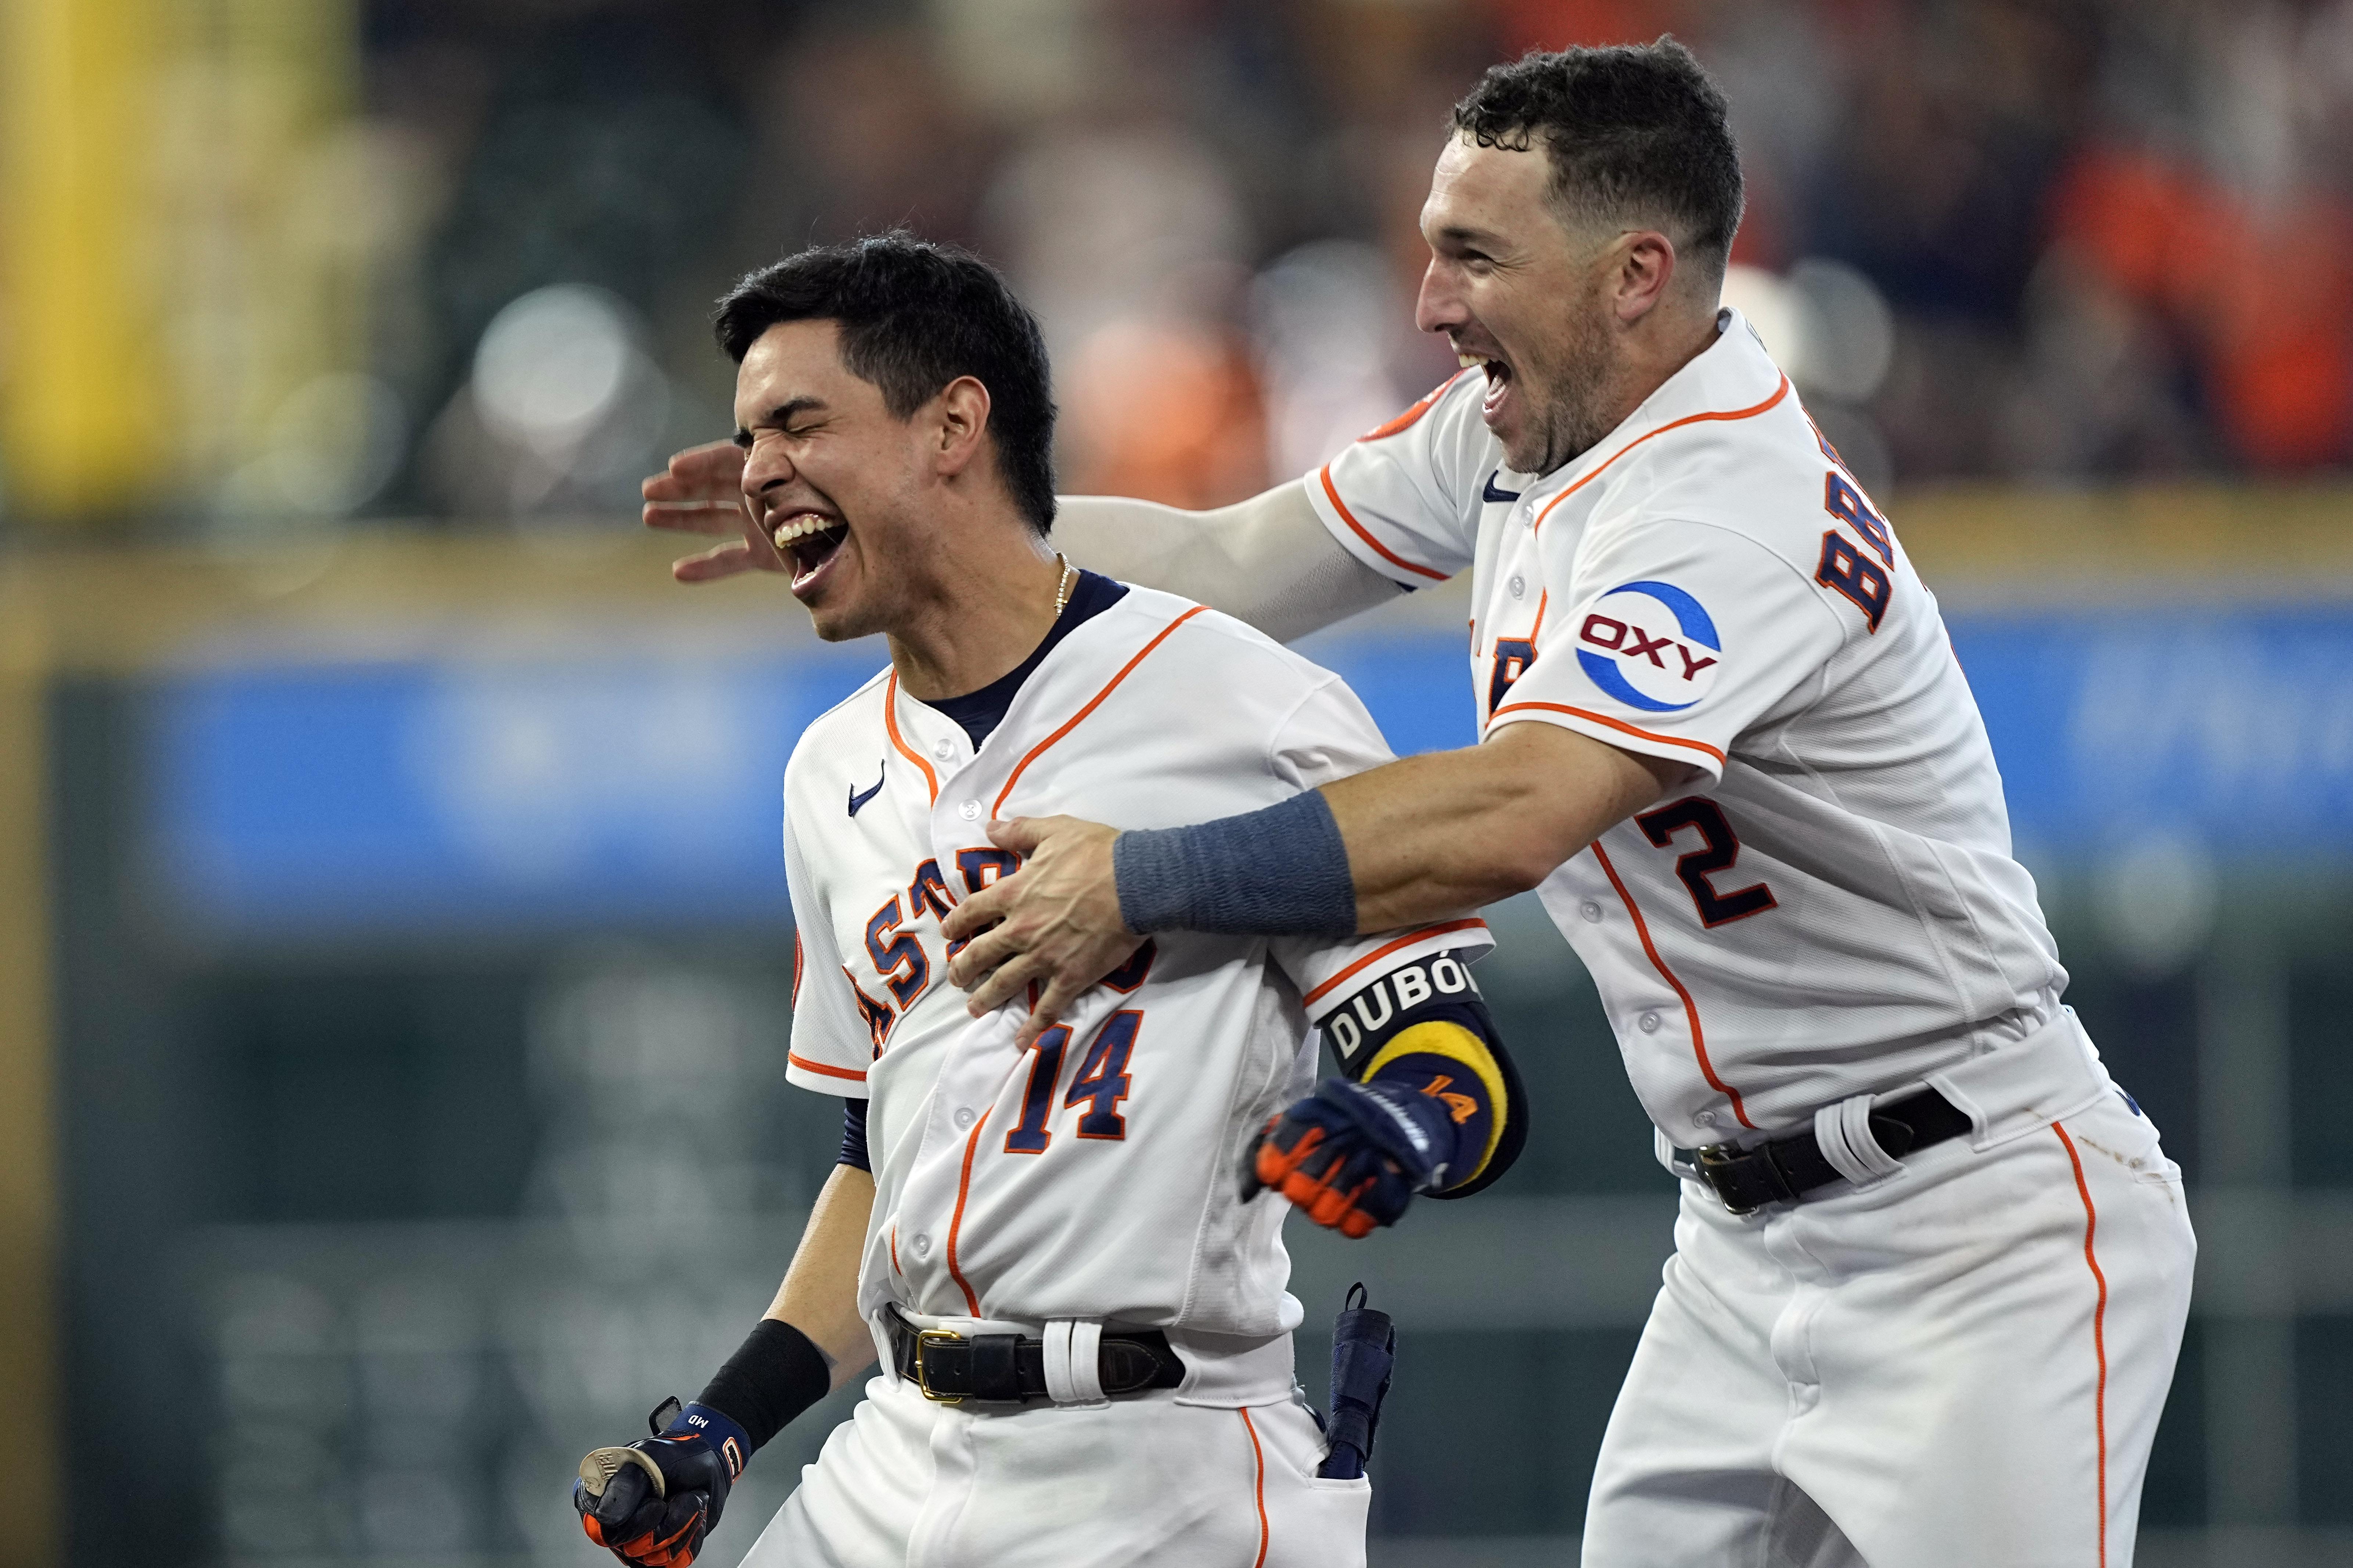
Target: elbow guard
1423	1028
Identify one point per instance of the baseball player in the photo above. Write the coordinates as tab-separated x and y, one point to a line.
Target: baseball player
1932	1265
1079	1312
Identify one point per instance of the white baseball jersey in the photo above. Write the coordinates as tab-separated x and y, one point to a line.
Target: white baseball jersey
1830	911
1831	903
1094	1176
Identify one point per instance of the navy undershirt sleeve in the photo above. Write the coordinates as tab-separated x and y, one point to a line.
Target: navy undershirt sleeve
853	1136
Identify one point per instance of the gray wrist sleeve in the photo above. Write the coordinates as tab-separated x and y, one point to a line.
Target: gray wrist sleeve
1282	871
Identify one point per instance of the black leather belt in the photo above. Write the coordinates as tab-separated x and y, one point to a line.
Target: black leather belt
1784	1169
951	1367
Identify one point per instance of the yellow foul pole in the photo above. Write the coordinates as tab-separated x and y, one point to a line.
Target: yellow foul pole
78	317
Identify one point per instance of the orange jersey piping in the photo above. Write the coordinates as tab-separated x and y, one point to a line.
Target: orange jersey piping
1751	411
2099	1333
1380	953
1691	1009
1258	1457
802	1062
955	1221
1411	416
1093	703
1605	719
1386	553
899	741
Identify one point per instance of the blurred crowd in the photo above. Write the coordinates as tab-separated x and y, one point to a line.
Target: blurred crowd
2070	240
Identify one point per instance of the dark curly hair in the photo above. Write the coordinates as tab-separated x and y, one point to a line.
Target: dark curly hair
1633	131
915	315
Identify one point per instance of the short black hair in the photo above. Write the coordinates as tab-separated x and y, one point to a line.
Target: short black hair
914	315
1631	130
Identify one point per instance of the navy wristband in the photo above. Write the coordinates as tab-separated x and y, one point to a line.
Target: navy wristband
1282	871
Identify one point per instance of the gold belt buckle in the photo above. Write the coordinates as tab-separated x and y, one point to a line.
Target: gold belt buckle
934	1337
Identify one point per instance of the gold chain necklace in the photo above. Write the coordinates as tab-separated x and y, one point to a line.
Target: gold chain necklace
1063	583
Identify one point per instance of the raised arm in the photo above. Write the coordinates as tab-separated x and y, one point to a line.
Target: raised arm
1269	560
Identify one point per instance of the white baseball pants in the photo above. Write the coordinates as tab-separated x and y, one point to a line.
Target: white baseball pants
1140	1482
1961	1366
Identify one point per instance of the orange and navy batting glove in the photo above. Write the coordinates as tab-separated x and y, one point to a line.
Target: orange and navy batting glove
1428	1103
1351	1155
654	1502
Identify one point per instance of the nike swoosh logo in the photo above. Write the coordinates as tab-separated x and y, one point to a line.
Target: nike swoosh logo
1495	494
860	797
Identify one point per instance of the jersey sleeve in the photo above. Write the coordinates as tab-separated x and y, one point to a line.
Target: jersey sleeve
1329	973
1672	638
1328	734
831	1044
1403	499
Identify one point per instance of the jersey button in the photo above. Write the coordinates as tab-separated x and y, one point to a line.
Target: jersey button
1519	585
943	748
969	811
1649	1023
964	1116
1589	909
922	1245
1705	1118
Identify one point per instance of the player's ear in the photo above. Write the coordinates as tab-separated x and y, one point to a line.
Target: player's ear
1642	267
960	425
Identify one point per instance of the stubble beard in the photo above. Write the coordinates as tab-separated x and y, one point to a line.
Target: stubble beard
1574	414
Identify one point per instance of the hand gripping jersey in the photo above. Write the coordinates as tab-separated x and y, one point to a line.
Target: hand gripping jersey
1831	905
1097	1175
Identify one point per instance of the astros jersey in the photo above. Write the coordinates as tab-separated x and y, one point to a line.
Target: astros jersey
1830	905
1094	1176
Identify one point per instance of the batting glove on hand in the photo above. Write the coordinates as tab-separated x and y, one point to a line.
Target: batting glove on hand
654	1502
1351	1155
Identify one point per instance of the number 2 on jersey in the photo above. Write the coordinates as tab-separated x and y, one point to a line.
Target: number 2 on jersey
1719	848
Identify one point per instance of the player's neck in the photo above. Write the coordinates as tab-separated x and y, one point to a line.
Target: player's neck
990	605
1669	340
1649	357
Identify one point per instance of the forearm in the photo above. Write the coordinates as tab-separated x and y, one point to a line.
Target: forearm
1268	560
820	1293
1438	835
1401	845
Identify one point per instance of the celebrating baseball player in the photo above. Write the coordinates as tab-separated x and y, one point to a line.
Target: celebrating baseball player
1932	1265
1078	1307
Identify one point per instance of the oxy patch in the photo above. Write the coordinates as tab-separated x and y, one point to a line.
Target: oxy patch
1651	646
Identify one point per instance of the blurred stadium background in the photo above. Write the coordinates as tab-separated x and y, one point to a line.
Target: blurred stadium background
393	943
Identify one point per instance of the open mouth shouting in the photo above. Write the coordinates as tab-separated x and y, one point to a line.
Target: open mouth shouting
1499	381
809	541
